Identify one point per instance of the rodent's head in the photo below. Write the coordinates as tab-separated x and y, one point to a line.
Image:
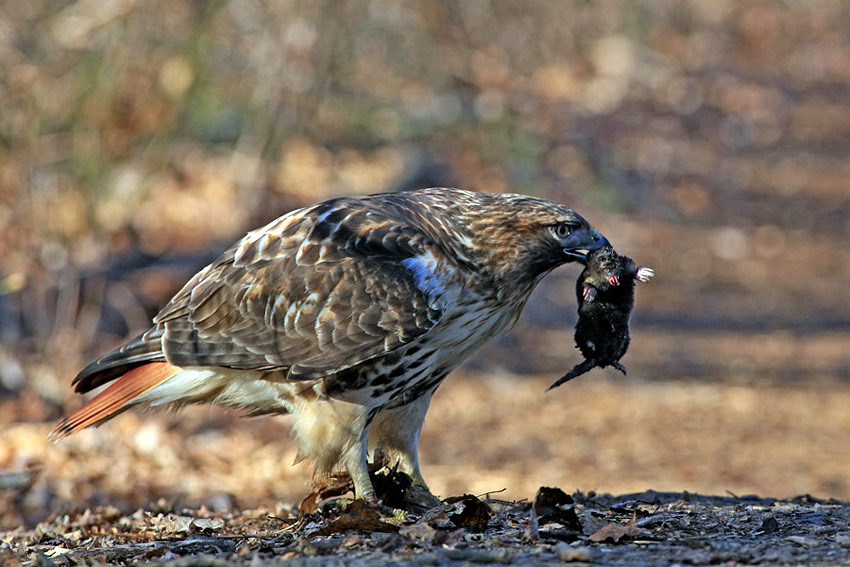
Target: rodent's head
603	260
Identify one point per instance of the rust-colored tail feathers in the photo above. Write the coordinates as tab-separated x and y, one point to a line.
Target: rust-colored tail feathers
115	398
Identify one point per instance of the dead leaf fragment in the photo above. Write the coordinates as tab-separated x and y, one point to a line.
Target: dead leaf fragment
207	524
419	531
8	557
555	505
359	516
569	554
770	525
175	524
323	488
467	512
804	541
614	533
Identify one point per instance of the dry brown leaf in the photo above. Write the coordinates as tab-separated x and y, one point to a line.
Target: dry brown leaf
555	505
359	516
465	511
323	488
419	531
7	557
615	533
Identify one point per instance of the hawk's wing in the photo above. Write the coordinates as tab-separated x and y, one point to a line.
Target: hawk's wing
317	291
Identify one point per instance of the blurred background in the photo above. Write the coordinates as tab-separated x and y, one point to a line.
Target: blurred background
708	140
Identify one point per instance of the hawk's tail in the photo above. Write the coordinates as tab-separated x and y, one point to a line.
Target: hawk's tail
116	398
144	349
577	370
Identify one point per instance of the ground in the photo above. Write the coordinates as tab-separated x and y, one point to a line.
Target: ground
648	528
204	483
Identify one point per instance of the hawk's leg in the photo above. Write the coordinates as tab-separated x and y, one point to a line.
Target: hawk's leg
355	462
396	431
330	431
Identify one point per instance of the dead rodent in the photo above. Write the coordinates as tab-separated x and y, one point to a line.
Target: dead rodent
605	291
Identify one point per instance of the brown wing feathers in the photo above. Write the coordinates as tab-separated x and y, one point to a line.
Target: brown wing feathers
115	398
314	292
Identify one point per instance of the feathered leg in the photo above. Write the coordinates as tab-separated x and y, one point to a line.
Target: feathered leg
396	431
356	463
333	431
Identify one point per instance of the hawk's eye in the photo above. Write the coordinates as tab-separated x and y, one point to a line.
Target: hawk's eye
562	230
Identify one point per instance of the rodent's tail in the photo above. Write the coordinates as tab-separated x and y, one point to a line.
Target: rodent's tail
577	370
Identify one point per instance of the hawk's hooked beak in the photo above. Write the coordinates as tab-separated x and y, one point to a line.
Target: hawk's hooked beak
582	241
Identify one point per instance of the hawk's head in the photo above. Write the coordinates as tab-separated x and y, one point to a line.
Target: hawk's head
526	237
517	239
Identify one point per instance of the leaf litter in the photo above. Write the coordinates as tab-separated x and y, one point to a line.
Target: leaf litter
648	528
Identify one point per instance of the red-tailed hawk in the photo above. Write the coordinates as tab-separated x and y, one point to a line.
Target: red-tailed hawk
347	314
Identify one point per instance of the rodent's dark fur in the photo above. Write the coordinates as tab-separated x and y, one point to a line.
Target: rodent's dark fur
605	291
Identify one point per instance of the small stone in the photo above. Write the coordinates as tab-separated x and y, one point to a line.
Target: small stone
570	554
418	531
207	524
804	541
380	537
